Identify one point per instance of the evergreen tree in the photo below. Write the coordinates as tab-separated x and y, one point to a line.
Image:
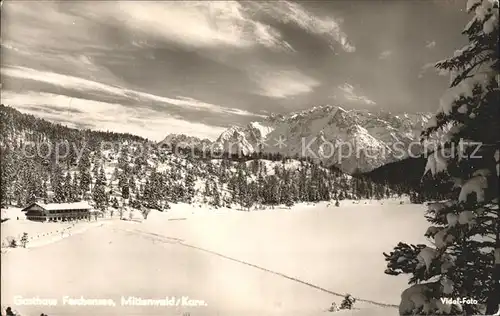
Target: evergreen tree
465	261
68	187
115	204
99	196
248	199
95	170
44	194
153	191
232	186
101	177
131	184
255	166
287	196
58	185
7	173
122	180
207	192
273	190
99	193
85	181
303	182
75	187
146	195
126	190
123	158
33	182
241	187
116	174
189	183
216	195
84	171
261	187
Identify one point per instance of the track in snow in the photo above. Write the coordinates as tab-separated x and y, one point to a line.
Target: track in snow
172	240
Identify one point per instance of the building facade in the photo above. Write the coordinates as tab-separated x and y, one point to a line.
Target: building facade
58	212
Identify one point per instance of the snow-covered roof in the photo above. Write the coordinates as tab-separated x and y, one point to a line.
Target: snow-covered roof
66	206
63	206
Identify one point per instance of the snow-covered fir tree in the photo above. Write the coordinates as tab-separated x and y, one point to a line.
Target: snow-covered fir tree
84	173
216	200
189	188
58	185
125	190
99	191
464	260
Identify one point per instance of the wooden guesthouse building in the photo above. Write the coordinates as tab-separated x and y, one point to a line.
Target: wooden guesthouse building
54	212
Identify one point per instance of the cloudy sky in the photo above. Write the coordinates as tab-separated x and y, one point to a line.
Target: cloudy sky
154	68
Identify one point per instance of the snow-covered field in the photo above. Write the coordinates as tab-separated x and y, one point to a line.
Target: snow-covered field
272	262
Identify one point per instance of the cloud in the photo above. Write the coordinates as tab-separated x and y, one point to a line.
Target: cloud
385	54
106	116
6	44
430	44
79	64
281	84
208	24
65	81
197	23
350	95
84	85
45	27
294	13
193	24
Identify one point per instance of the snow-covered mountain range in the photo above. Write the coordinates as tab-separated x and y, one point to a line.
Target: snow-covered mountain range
354	140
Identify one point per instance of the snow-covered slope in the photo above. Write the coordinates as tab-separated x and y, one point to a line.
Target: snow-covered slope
352	139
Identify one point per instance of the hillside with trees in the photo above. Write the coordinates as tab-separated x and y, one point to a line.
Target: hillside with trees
42	160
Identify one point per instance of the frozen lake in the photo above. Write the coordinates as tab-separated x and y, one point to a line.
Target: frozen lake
273	262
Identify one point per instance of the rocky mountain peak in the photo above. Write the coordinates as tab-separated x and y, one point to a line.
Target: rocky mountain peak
310	131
